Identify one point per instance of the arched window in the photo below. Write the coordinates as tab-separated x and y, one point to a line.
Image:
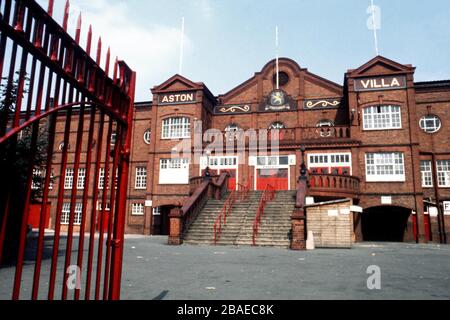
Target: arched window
233	127
430	123
277	125
325	123
147	136
176	128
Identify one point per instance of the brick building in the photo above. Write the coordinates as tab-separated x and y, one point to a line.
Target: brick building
380	132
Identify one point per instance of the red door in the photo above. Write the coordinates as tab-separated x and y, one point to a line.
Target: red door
426	222
277	178
34	217
231	179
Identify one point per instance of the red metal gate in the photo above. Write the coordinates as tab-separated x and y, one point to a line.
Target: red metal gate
64	124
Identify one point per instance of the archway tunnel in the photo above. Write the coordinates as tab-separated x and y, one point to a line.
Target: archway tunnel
385	223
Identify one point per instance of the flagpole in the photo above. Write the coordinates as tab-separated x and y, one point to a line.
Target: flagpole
277	58
374	28
180	71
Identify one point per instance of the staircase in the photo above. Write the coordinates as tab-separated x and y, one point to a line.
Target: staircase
273	231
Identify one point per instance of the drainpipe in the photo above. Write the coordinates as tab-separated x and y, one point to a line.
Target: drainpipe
441	221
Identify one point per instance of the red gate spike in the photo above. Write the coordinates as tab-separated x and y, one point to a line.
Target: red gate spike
66	15
116	66
50	7
99	51
78	32
89	41
108	58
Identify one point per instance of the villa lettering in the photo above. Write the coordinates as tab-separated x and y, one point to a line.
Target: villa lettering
384	83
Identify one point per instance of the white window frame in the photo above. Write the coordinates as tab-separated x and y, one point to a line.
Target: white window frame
140	181
100	206
137	209
426	173
65	213
156	211
220	163
324	160
81	178
101	178
147	136
271	162
430	117
176	128
113	139
68	179
372	169
443	173
37	173
373	117
174	171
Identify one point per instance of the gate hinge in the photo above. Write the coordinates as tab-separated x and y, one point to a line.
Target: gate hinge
114	243
125	153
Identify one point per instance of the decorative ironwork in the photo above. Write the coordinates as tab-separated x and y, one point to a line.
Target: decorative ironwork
322	103
233	109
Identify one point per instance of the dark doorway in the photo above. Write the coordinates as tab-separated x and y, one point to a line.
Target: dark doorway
161	222
385	223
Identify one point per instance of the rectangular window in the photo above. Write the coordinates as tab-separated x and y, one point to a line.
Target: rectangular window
176	128
332	163
385	167
65	213
382	117
101	178
68	179
37	179
443	173
157	211
137	209
174	171
426	172
81	178
141	178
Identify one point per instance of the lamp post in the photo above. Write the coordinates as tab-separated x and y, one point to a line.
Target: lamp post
303	169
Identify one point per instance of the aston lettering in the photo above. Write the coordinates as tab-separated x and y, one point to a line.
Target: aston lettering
177	98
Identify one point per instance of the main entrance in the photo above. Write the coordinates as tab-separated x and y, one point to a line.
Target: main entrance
385	223
218	165
273	171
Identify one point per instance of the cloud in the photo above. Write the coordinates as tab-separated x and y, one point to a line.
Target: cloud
152	50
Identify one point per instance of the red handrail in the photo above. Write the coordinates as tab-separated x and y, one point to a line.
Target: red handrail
221	220
268	195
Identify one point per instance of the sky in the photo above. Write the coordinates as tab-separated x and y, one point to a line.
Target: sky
227	41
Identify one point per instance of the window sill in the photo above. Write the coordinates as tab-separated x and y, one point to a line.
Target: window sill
387	179
382	129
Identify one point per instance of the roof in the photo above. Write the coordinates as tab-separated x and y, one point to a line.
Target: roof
432	84
143	104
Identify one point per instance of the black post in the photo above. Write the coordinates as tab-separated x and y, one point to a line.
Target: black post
303	169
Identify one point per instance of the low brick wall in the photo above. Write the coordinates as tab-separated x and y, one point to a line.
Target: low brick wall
331	224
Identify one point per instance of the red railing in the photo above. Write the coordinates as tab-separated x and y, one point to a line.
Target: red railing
208	188
55	93
221	220
268	195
